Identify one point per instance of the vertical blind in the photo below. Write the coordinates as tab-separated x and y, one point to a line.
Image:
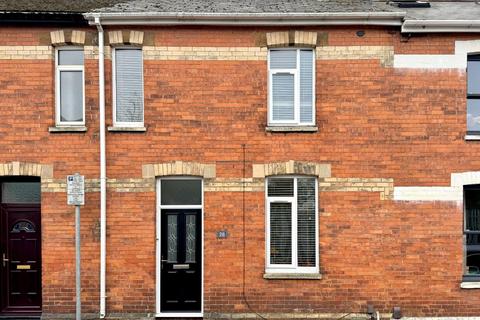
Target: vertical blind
306	222
129	85
284	70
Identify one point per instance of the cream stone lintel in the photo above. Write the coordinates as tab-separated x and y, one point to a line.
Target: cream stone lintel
16	168
179	168
291	167
277	39
305	39
119	37
63	37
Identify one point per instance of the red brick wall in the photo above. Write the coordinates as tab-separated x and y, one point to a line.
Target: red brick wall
374	121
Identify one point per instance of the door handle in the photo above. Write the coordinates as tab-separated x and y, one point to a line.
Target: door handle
4	260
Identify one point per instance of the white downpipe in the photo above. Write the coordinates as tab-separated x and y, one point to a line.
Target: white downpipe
103	168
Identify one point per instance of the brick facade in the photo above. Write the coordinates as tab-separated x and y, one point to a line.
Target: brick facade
205	97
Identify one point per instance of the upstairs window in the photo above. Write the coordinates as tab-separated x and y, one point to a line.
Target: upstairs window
473	94
127	87
291	87
292	228
70	89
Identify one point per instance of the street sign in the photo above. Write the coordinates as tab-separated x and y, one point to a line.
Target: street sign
76	190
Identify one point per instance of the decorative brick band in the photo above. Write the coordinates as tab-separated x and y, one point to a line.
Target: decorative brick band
383	53
382	185
15	168
234	185
26	52
125	37
93	185
291	167
64	37
179	168
204	53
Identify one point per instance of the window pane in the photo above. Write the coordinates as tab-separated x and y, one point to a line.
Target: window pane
70	57
280	187
306	221
473	73
306	86
283	59
283	96
172	235
280	233
191	236
181	192
473	114
71	96
129	85
21	192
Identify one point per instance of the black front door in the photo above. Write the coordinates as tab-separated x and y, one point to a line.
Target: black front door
181	265
20	265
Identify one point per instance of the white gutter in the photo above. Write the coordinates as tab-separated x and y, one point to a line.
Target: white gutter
429	26
103	176
250	19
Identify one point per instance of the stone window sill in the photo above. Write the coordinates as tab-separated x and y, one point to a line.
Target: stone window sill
127	129
472	137
307	129
292	276
470	285
67	129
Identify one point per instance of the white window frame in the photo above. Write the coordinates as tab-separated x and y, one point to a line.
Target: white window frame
295	72
114	91
290	268
59	68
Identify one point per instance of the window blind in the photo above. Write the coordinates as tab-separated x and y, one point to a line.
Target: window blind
129	85
280	233
306	86
306	222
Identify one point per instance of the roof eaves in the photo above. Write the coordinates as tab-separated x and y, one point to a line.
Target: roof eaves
189	18
435	26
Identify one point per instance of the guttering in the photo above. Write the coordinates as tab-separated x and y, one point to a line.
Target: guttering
250	19
103	166
431	26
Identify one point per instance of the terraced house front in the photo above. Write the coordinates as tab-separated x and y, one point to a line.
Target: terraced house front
269	159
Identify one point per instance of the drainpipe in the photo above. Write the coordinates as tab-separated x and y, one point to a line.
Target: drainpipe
103	169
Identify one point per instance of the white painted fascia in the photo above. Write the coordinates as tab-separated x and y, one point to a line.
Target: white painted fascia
246	19
430	26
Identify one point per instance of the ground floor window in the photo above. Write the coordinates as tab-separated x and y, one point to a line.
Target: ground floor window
292	228
472	232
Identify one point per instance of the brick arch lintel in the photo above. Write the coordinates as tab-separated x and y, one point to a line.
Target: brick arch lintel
125	37
291	167
16	168
179	168
292	38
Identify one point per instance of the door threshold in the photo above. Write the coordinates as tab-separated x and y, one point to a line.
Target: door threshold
179	315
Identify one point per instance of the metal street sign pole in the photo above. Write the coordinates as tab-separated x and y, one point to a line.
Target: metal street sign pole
76	197
77	264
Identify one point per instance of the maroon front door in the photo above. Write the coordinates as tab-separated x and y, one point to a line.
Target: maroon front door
20	287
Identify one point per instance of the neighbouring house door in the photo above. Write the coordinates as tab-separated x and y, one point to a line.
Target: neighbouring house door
20	264
181	255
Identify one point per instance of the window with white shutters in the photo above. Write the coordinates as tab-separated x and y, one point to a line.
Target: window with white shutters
128	87
292	230
291	89
69	91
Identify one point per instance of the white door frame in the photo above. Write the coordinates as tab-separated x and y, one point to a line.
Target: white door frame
158	247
